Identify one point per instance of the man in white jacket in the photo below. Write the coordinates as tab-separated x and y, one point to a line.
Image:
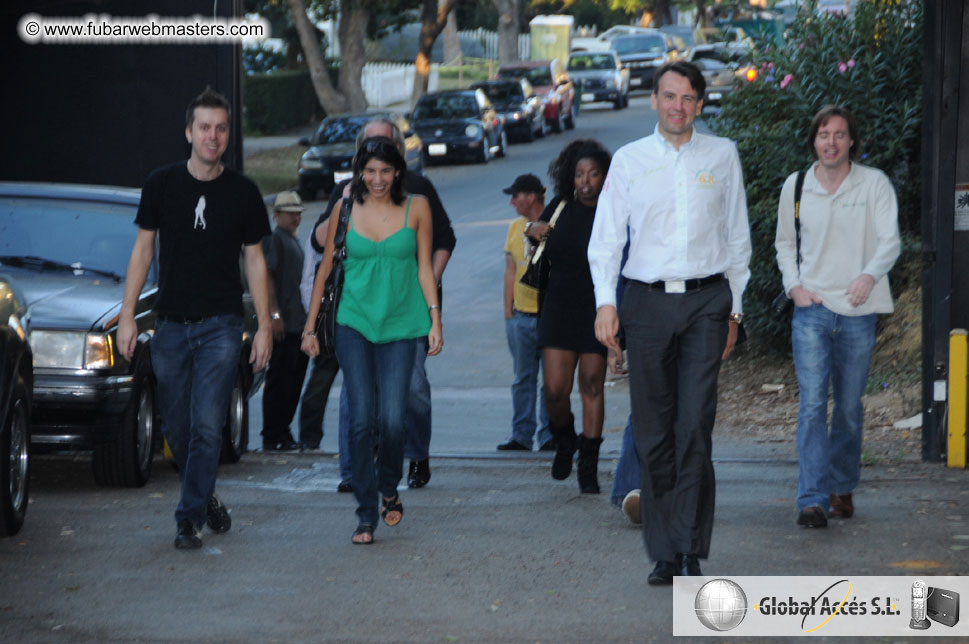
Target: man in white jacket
837	275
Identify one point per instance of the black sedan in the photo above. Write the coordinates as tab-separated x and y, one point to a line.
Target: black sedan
67	246
327	161
459	125
16	380
519	106
643	52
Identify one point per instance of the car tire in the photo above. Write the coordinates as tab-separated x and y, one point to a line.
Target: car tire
618	103
569	119
625	99
485	155
542	128
307	194
502	144
15	462
235	434
528	134
126	461
557	123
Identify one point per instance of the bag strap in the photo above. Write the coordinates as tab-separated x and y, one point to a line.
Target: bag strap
340	238
799	184
551	224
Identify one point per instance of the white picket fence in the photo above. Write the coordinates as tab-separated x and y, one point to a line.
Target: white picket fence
387	84
489	42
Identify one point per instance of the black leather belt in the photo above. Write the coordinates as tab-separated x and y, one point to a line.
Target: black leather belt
184	319
530	315
682	286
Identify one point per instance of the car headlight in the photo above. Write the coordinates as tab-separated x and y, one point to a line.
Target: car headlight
472	130
516	116
72	350
310	163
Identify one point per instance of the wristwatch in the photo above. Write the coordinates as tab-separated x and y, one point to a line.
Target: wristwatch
737	317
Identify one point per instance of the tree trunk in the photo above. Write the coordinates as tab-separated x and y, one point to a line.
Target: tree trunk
433	17
702	17
452	43
508	28
661	13
332	101
354	15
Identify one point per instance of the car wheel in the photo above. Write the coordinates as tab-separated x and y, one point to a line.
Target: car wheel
15	462
625	100
485	155
126	461
503	144
557	123
570	118
542	127
235	435
528	134
617	104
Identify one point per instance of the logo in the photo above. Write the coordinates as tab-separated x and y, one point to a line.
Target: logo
705	179
720	605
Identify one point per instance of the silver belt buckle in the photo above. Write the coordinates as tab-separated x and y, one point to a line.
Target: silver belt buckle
677	286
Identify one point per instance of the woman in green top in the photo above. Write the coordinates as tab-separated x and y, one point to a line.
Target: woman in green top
389	303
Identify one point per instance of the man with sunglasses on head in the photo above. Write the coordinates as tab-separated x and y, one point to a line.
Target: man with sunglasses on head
418	424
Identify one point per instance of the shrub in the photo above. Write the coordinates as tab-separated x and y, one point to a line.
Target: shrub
280	101
870	62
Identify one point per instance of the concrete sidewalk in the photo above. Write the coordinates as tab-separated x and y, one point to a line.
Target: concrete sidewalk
493	550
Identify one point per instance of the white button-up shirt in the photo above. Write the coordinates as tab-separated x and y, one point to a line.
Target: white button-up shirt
685	211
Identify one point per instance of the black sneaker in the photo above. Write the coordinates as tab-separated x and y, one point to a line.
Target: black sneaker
344	486
188	536
217	515
513	445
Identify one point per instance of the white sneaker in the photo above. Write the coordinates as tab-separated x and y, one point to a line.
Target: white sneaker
630	507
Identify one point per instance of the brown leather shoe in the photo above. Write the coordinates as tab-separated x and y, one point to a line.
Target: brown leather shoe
841	506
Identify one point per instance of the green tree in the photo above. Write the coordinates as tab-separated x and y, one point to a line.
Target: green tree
870	62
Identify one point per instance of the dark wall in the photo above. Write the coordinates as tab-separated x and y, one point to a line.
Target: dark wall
107	114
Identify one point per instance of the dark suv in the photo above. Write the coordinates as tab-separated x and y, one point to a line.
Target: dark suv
67	247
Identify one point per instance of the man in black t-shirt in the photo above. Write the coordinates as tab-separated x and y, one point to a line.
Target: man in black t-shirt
204	215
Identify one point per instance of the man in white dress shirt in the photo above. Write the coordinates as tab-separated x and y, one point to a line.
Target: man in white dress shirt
679	197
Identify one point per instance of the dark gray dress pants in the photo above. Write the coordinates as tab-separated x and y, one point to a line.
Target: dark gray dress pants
675	343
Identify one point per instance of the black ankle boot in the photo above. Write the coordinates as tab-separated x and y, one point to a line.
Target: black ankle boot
588	464
565	446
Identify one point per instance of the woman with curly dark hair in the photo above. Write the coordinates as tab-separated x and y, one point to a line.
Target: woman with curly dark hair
566	326
389	304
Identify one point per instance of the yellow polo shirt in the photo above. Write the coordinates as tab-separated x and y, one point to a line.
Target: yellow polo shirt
525	297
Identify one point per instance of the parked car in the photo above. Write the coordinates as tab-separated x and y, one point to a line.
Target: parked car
604	40
552	84
722	68
16	386
601	76
68	246
685	33
459	125
519	106
642	53
329	157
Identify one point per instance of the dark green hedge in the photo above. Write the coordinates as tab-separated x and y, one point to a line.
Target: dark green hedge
280	101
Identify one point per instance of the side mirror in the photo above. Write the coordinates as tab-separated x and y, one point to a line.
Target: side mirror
304	141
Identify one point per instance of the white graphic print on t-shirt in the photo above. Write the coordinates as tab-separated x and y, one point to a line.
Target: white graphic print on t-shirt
200	213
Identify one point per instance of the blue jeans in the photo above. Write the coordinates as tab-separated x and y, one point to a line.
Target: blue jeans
344	437
628	476
418	442
830	349
522	332
378	377
195	366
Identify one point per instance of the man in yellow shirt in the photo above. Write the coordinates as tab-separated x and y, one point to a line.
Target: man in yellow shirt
521	320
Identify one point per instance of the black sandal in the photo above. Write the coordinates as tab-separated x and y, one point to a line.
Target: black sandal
363	528
392	505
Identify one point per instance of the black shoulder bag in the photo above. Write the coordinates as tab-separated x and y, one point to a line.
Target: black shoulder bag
326	318
783	303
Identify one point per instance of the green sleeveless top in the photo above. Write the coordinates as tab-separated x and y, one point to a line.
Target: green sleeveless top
382	298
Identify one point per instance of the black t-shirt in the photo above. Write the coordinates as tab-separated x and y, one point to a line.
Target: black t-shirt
570	279
202	226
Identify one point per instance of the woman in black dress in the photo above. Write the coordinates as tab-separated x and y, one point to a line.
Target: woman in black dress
566	326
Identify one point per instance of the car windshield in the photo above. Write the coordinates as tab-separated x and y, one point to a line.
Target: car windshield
504	92
456	106
81	234
338	130
584	62
639	45
535	75
718	54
